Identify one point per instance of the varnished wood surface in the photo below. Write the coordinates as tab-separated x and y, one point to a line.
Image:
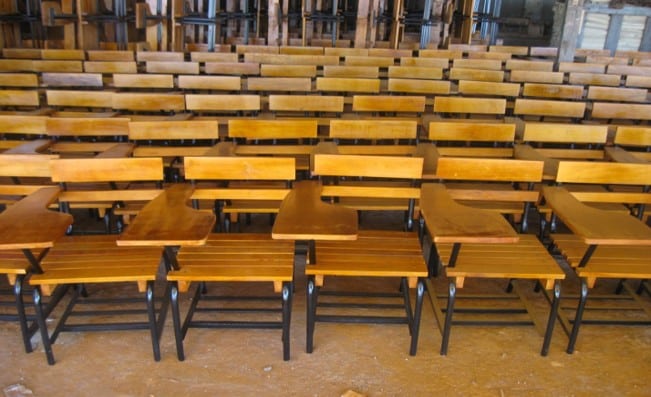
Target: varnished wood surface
167	220
30	147
526	152
593	225
303	216
450	222
29	224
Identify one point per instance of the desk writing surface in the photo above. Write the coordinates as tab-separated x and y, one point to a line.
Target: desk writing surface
451	222
596	226
167	220
29	224
303	216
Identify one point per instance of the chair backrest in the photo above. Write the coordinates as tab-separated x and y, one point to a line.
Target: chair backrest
633	136
147	81
388	103
72	80
353	60
476	74
22	125
79	99
361	72
27	98
18	80
343	84
288	70
222	103
557	91
78	55
58	66
519	64
489	88
203	57
617	94
442	63
217	83
373	129
629	70
471	133
233	68
106	55
534	76
108	67
415	72
625	111
306	103
542	108
159	56
172	67
252	129
569	67
294	84
470	105
148	102
417	86
28	173
595	79
480	64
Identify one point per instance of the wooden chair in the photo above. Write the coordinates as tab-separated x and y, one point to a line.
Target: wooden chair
84	262
247	258
603	244
636	140
477	243
638	81
373	254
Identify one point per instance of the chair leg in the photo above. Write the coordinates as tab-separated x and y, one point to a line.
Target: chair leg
404	288
176	320
20	310
151	313
551	321
448	319
287	312
311	314
578	317
415	328
40	318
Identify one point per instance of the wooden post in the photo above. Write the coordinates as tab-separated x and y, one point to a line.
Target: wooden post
285	27
466	26
272	25
394	38
571	29
373	13
361	27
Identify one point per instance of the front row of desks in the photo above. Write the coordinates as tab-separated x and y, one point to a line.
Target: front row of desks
167	222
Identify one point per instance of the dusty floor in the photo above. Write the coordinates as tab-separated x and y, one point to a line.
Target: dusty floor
369	359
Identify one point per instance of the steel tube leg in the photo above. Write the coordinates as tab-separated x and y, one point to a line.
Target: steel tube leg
311	314
578	317
20	309
420	292
448	319
40	318
287	302
151	312
551	321
176	320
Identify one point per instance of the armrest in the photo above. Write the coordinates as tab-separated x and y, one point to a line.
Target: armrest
29	224
303	216
222	149
32	147
118	150
430	155
451	222
596	226
167	220
620	155
526	152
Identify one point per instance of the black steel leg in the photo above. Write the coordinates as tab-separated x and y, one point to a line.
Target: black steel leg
578	316
551	321
448	319
176	320
20	309
311	314
404	288
415	328
151	313
287	309
40	319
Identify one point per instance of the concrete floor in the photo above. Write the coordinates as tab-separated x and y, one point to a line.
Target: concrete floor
368	359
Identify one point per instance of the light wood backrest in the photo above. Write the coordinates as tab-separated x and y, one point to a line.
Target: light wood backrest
442	63
239	168
627	70
617	94
259	49
88	126
469	105
633	136
222	103
288	70
352	60
143	80
558	91
489	88
291	59
543	51
447	54
19	98
565	133
77	98
296	84
415	72
58	66
224	83
480	64
586	52
607	60
510	49
25	165
107	169
298	50
343	52
32	125
628	111
476	74
21	53
306	103
233	68
18	80
481	169
173	130
172	67
568	67
604	173
416	86
468	47
388	103
389	52
471	131
148	102
595	79
368	166
638	81
373	129
109	67
72	55
528	76
72	79
159	56
499	56
106	55
342	84
272	129
16	65
538	107
213	57
519	64
363	72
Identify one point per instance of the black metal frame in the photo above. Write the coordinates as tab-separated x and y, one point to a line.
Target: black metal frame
200	293
154	324
411	318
